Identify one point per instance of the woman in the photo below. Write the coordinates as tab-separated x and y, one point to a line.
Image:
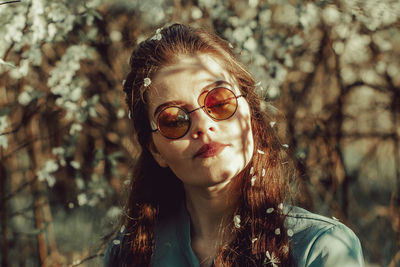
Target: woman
210	181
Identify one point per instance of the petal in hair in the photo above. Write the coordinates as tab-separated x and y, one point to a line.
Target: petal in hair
253	180
236	221
260	151
157	36
146	82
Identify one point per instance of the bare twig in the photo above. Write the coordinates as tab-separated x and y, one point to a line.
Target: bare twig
11	2
79	262
19	189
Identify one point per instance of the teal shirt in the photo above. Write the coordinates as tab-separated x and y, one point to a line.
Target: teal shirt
316	241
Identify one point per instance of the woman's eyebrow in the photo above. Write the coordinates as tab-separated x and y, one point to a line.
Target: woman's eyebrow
177	102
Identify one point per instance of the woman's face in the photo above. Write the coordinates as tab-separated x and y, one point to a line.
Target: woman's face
211	152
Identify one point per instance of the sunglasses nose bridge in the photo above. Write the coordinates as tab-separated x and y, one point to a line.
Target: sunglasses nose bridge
201	122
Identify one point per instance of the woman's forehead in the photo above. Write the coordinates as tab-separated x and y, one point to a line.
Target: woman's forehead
186	79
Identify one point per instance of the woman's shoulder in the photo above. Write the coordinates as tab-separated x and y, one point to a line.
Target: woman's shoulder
317	240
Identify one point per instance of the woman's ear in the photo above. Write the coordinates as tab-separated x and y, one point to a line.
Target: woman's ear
157	156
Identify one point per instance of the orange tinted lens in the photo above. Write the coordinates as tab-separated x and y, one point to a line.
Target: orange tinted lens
173	122
220	103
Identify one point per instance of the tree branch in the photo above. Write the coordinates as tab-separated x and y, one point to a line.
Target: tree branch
10	2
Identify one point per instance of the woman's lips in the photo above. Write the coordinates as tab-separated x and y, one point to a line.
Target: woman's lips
209	150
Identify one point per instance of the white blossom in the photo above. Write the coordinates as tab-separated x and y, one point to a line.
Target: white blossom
45	173
75	128
271	258
75	164
146	82
309	18
250	44
290	232
331	15
156	37
113	212
253	180
236	221
82	199
3	127
196	12
270	210
116	36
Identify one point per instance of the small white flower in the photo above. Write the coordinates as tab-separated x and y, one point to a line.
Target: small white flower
272	123
271	259
230	45
122	229
253	180
146	82
252	171
290	232
75	128
254	240
120	113
116	242
71	205
270	210
285	145
277	231
260	151
263	172
82	199
157	36
75	164
280	206
236	221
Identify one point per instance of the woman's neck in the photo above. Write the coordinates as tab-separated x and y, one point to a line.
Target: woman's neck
210	210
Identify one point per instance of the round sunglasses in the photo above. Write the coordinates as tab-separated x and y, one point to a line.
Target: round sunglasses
174	122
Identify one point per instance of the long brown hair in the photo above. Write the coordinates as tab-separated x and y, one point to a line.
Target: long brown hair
156	192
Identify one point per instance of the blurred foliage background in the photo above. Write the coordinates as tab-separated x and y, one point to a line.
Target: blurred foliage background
331	67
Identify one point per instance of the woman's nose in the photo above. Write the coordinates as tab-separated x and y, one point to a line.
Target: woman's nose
202	124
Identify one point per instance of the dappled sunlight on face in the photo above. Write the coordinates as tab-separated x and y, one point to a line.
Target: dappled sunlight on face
228	143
